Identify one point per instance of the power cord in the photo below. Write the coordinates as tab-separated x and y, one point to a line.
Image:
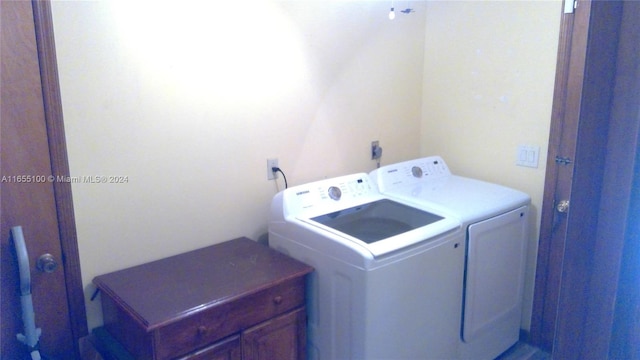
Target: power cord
277	169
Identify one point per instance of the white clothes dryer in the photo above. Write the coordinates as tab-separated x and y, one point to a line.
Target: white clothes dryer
495	220
387	276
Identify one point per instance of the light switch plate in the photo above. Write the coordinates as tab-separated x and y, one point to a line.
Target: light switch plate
528	156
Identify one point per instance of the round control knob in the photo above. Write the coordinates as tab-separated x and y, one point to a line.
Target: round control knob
335	193
416	171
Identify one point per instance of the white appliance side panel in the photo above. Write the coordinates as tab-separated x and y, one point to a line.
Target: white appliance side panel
334	295
407	308
495	274
413	305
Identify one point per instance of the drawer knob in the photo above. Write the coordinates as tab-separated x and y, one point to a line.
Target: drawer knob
202	330
277	300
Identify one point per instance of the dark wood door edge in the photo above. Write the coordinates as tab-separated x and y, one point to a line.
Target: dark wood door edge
60	166
539	333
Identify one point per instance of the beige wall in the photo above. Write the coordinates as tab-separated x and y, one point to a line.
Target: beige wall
488	85
188	100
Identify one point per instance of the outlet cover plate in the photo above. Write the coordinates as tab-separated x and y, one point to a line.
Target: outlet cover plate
271	163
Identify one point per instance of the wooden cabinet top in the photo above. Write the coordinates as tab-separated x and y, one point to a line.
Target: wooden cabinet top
165	290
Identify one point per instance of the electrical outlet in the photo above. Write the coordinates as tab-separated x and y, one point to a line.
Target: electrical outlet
271	163
376	150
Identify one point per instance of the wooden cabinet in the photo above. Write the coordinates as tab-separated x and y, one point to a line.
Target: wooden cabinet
234	300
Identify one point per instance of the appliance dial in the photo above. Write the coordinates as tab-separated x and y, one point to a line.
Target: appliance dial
416	171
335	193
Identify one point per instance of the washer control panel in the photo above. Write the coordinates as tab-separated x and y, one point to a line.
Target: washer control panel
330	194
344	187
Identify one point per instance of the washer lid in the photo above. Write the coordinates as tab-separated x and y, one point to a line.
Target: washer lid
377	220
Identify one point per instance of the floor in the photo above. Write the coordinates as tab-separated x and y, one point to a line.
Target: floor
519	351
522	351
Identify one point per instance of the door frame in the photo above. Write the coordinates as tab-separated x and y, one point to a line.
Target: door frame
60	167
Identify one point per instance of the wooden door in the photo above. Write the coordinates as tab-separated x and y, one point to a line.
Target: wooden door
562	170
625	334
572	306
32	156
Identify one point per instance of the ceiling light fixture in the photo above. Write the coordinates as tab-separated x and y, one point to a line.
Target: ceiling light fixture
392	13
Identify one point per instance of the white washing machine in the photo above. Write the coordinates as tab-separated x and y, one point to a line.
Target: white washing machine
387	276
495	220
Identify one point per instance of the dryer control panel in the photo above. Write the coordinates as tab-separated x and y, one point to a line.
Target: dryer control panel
410	172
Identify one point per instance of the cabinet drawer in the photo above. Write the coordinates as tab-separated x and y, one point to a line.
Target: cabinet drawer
228	317
227	349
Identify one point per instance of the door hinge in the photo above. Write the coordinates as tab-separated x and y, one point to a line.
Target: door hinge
569	6
563	160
